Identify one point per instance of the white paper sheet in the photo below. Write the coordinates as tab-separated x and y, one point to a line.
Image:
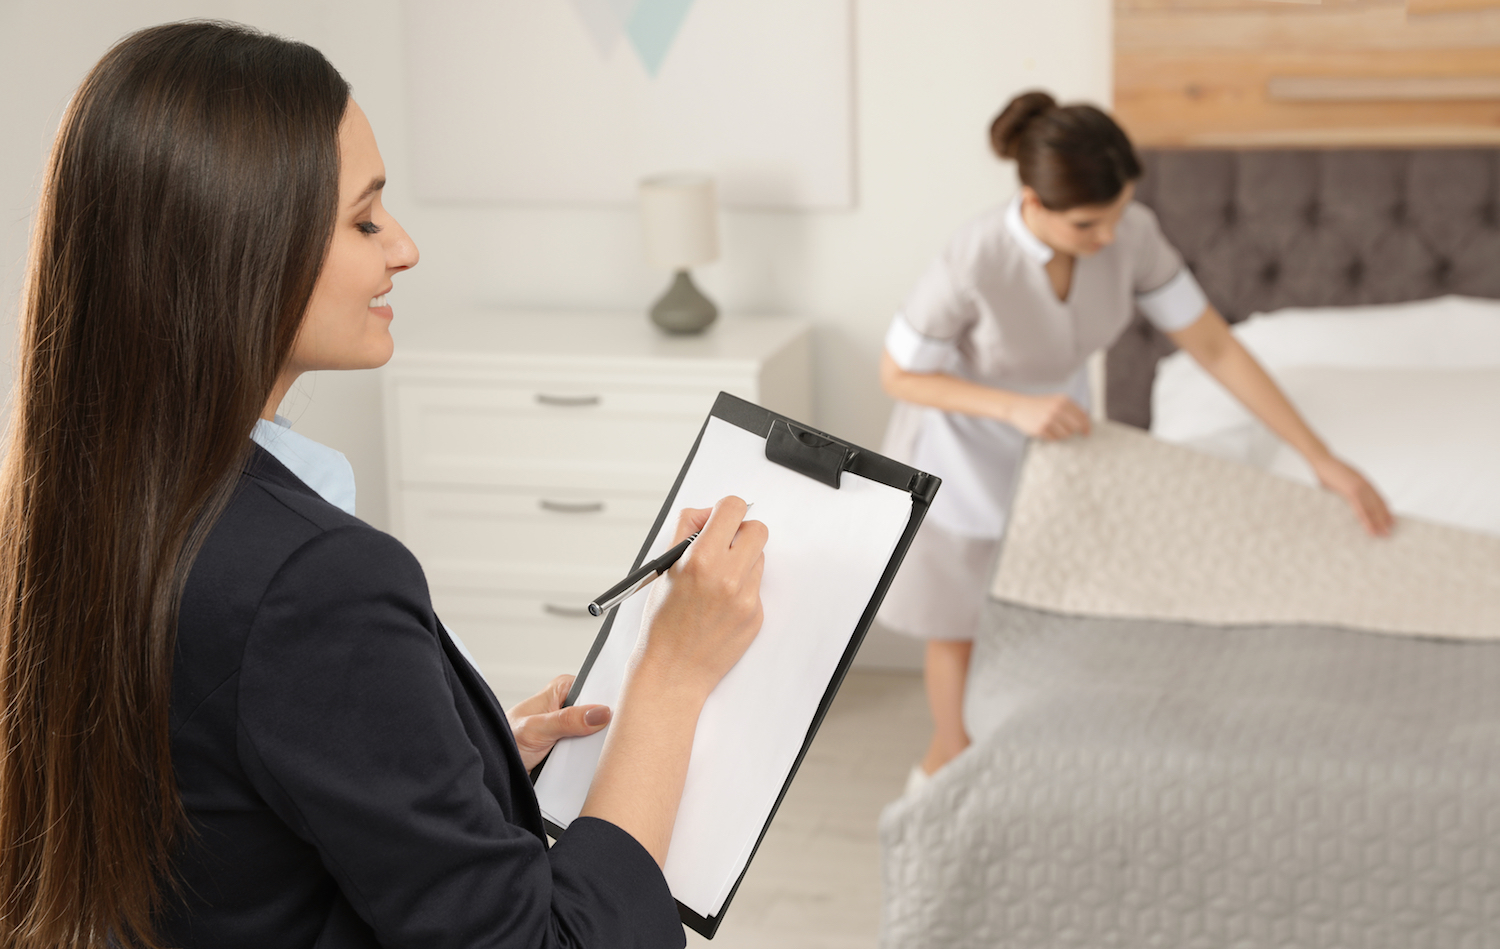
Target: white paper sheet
826	552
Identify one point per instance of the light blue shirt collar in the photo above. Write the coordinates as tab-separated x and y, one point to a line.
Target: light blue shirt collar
319	467
325	471
1029	242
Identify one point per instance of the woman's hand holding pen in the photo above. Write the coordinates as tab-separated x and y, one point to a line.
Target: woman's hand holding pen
1048	417
702	615
704	612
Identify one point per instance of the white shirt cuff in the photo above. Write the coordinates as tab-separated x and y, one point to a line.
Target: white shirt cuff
1176	304
914	352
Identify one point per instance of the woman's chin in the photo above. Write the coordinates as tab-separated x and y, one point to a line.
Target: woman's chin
374	354
382	355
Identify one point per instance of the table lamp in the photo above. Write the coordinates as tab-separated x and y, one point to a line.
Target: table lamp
682	231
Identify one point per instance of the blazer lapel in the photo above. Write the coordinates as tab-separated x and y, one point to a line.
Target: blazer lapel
527	812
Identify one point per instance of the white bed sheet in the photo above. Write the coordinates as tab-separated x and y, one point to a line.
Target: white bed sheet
1409	393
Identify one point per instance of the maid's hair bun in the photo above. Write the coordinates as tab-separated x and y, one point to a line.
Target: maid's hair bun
1070	155
1011	123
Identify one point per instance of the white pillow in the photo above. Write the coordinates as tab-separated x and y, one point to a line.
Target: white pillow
1433	334
1409	393
1190	408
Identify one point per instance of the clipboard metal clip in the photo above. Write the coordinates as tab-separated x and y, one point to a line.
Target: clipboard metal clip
807	452
925	486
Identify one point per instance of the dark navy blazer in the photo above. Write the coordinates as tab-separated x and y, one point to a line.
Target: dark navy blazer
351	780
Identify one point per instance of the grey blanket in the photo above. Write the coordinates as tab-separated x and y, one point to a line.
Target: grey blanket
1147	783
1208	712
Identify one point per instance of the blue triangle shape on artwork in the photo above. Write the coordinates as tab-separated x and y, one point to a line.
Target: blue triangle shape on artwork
652	28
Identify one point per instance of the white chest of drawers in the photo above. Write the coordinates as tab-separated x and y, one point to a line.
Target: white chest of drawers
529	453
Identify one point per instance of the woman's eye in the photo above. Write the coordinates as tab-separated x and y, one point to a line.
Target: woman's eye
368	227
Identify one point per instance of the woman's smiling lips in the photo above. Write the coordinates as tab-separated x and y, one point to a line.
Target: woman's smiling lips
380	308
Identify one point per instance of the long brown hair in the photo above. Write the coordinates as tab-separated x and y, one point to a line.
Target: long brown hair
188	205
1070	155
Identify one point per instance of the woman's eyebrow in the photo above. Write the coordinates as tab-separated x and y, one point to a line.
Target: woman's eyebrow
375	185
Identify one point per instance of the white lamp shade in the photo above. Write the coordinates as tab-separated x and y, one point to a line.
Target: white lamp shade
680	220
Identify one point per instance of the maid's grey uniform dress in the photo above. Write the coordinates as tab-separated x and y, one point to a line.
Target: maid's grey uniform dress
985	311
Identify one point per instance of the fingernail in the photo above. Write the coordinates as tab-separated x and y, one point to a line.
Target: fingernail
598	715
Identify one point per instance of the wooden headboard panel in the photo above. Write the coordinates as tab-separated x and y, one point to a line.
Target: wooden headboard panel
1269	229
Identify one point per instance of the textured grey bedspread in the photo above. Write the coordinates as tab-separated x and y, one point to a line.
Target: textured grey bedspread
1208	711
1136	782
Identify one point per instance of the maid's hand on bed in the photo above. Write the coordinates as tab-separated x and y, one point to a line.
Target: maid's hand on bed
1349	484
1048	417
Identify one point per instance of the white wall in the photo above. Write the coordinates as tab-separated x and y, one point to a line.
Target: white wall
930	76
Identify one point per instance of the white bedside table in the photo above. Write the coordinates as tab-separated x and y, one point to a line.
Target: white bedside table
529	453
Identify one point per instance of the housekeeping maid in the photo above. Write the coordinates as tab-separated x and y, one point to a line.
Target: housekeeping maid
990	350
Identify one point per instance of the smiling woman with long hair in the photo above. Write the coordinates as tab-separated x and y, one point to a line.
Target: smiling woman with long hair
228	713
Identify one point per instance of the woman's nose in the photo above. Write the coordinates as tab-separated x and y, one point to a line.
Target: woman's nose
402	253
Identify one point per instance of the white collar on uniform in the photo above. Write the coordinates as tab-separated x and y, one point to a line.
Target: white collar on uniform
1029	242
319	467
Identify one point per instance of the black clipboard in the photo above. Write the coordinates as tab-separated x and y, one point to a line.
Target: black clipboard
824	458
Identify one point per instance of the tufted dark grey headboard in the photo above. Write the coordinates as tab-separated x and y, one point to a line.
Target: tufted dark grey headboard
1270	229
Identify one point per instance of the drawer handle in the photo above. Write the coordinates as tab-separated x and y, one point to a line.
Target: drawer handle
571	612
571	507
567	401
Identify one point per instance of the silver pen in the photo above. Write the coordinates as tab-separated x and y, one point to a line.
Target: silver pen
641	578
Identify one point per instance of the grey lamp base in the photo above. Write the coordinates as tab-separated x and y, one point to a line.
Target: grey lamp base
683	308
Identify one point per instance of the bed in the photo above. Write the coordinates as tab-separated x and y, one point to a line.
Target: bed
1206	710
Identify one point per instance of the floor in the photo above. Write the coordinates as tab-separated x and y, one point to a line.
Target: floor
815	882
